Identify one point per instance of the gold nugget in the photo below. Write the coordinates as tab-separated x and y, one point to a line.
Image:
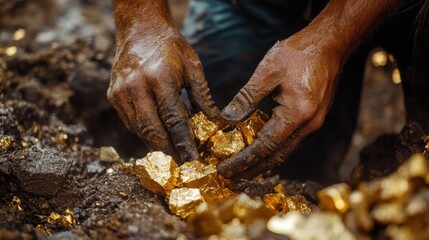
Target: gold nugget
223	145
44	230
66	220
204	177
335	198
248	210
157	172
252	126
300	204
277	201
5	143
184	201
196	175
16	204
202	127
205	221
360	211
415	167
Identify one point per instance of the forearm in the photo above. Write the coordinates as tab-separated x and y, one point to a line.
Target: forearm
344	24
139	16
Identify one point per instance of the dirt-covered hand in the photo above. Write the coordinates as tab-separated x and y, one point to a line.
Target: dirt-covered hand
302	74
302	78
148	75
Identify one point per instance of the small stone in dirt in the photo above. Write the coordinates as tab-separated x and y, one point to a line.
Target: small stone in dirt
95	167
43	172
109	154
133	229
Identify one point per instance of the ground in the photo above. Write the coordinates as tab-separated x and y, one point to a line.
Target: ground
55	65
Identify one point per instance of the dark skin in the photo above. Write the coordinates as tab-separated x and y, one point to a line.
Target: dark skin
154	62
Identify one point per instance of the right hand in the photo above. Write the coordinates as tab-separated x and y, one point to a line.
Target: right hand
148	75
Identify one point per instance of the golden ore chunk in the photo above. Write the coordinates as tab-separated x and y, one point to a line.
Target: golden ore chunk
157	172
205	221
277	201
225	144
335	198
184	201
196	174
252	126
202	128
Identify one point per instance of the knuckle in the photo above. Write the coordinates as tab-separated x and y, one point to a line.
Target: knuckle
114	93
133	83
149	133
308	109
109	95
317	123
153	71
174	120
245	97
267	146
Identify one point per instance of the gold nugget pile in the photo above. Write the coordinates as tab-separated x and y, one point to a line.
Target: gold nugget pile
196	192
394	207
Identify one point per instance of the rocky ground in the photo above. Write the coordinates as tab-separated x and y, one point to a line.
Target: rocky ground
55	60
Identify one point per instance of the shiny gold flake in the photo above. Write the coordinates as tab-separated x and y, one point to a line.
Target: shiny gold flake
66	220
44	230
5	143
16	204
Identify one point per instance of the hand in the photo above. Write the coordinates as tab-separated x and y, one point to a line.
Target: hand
302	77
148	75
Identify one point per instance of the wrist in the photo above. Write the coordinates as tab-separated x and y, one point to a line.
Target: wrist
344	24
146	32
140	18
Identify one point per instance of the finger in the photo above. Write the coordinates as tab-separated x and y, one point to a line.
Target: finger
148	125
174	116
199	92
285	150
278	157
261	84
120	104
275	132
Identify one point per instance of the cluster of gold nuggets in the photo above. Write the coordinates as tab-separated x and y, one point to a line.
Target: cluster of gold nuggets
196	192
397	204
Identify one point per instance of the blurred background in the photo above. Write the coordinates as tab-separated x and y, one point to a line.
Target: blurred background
72	41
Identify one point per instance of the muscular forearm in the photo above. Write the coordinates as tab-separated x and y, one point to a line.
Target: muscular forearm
343	24
139	16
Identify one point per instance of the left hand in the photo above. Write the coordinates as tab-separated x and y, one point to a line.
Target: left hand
302	75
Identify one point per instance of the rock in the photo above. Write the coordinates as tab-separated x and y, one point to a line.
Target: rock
42	172
109	154
5	166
